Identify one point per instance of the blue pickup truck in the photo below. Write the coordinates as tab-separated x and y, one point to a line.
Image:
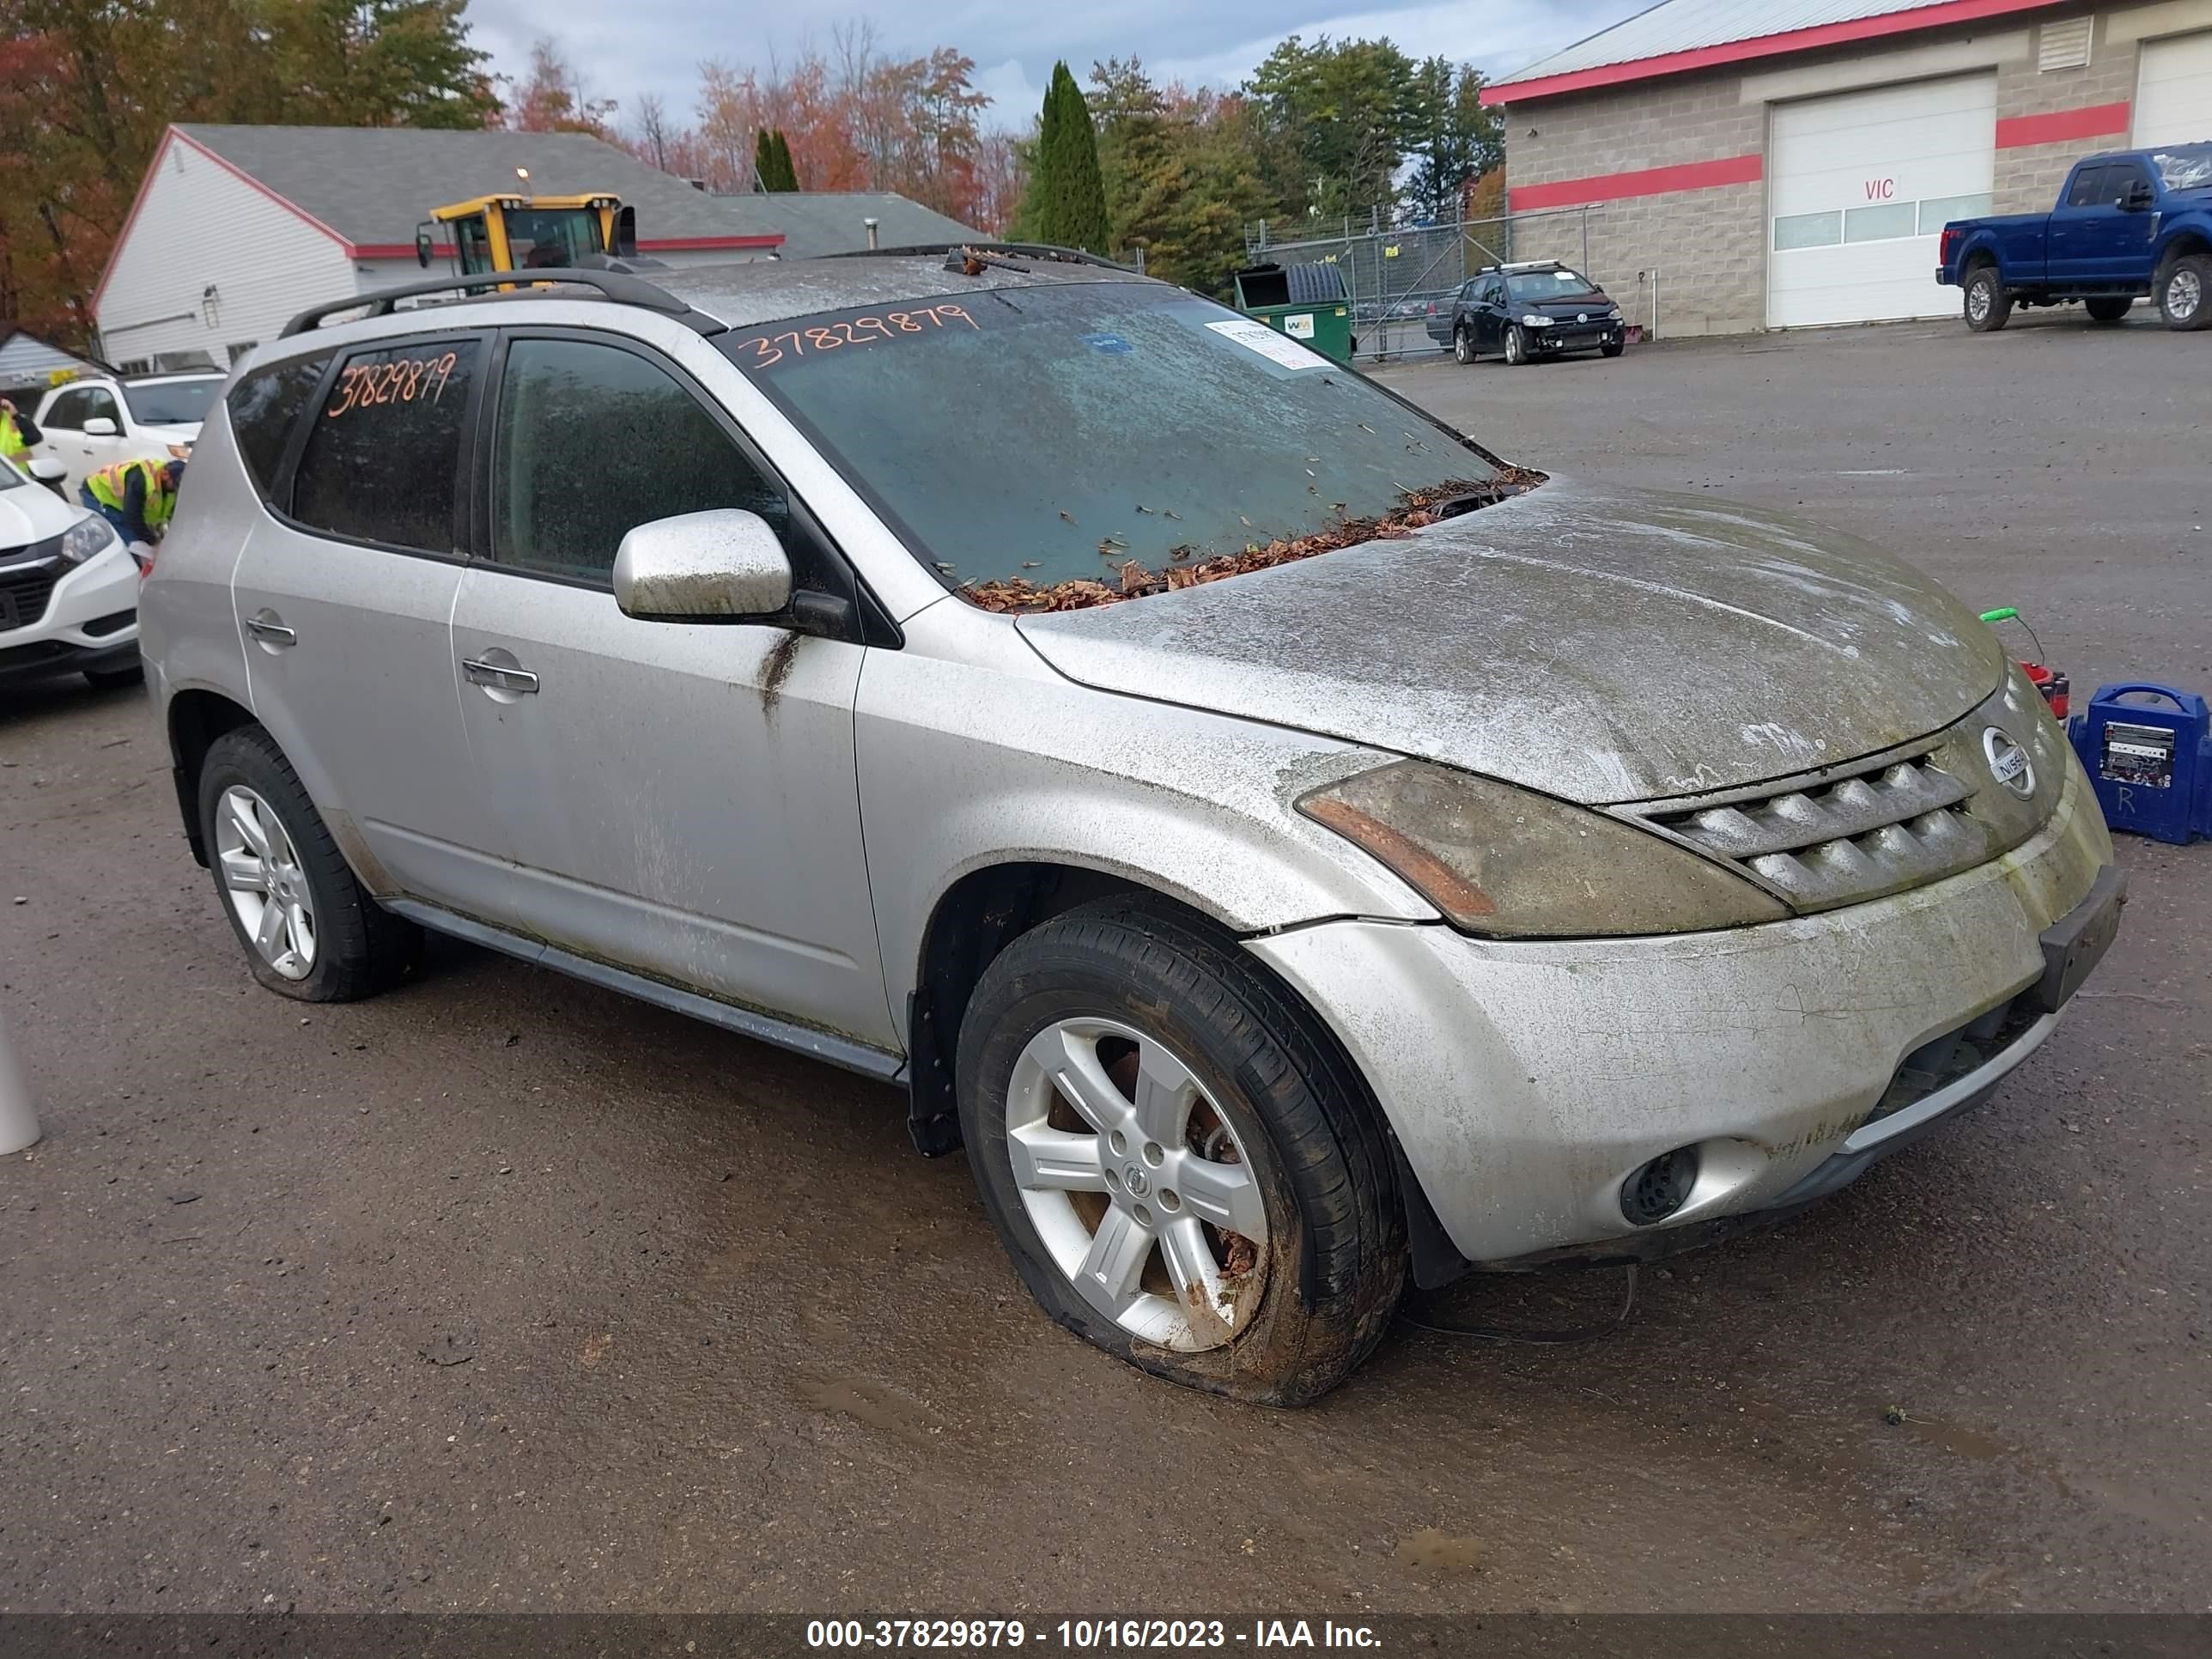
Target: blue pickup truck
2128	224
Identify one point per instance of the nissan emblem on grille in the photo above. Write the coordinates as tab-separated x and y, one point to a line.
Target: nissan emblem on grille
2008	761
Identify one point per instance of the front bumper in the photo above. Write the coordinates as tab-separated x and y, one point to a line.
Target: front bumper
1576	337
1525	1083
89	619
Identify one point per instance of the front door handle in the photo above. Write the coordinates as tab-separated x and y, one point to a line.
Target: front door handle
269	631
498	676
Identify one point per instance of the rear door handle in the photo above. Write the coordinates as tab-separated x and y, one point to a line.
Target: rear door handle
266	629
498	676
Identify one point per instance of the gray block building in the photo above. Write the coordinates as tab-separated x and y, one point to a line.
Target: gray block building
1741	165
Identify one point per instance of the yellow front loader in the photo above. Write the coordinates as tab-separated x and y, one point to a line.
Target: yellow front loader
529	233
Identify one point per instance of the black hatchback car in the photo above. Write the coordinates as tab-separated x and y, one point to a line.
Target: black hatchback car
1527	311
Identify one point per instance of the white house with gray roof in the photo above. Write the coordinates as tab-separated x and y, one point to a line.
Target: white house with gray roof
237	229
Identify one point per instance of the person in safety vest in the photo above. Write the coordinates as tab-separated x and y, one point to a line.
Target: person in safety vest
17	432
138	497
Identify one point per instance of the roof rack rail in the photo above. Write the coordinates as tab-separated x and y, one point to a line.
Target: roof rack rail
1075	256
622	289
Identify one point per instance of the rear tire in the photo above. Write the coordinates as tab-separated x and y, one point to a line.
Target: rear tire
2184	292
268	850
2109	310
1516	345
1462	346
1986	303
1245	1093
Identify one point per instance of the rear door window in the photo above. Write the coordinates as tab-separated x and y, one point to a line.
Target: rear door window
591	442
266	407
99	401
382	461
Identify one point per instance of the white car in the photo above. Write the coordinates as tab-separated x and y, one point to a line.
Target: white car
69	589
91	423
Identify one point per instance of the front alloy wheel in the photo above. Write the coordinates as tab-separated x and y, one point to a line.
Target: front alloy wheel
2182	295
262	879
1137	1185
1182	1164
1517	344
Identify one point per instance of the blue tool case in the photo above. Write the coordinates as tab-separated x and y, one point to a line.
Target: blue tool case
2150	761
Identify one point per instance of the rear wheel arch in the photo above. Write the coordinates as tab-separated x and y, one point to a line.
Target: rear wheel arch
196	720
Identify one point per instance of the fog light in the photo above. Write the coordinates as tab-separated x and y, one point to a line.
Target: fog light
1660	1187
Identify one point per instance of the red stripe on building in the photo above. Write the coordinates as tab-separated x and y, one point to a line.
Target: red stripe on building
2063	126
1650	182
1769	45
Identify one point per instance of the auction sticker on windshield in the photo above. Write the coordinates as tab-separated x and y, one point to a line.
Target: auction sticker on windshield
1258	336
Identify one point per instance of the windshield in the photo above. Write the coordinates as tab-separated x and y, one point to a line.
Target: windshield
2185	166
1531	287
172	402
542	238
1053	435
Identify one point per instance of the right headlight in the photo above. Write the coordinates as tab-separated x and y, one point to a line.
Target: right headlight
86	538
1508	863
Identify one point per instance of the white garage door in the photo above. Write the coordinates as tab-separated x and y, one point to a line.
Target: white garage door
2173	96
1859	187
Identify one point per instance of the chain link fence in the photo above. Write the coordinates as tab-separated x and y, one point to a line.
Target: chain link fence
1401	277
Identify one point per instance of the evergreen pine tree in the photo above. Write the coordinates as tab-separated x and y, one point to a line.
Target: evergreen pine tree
1065	203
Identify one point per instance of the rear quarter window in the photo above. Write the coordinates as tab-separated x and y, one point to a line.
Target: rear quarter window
383	454
265	408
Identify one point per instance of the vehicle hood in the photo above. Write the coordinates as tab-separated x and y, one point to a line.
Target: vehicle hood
1586	305
1597	644
32	513
175	432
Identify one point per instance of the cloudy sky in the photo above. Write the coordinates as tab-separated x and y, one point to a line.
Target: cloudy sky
656	45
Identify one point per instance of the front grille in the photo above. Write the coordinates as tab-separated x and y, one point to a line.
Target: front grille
1883	823
27	576
23	596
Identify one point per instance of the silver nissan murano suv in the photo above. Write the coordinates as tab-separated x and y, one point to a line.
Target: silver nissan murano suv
1294	850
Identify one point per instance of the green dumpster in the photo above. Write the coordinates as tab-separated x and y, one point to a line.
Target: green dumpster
1307	302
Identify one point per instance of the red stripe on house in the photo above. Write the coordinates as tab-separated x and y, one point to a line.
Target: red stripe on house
2062	126
444	250
1650	182
1769	45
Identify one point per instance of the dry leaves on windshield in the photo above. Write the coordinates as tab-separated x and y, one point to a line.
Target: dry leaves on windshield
1133	580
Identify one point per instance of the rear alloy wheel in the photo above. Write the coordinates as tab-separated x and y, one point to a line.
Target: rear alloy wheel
2183	290
1179	1159
1462	346
1987	303
2107	310
308	928
1517	344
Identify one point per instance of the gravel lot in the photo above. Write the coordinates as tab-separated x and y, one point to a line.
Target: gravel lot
503	1292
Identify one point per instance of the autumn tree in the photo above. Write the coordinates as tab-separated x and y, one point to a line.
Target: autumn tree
550	96
1180	172
1065	201
88	87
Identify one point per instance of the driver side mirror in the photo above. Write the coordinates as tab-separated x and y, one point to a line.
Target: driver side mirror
722	565
2139	196
45	470
98	425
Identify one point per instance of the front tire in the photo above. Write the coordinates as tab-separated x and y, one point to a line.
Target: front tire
1181	1161
1462	346
308	928
2107	310
2184	292
1516	345
1612	348
1986	303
